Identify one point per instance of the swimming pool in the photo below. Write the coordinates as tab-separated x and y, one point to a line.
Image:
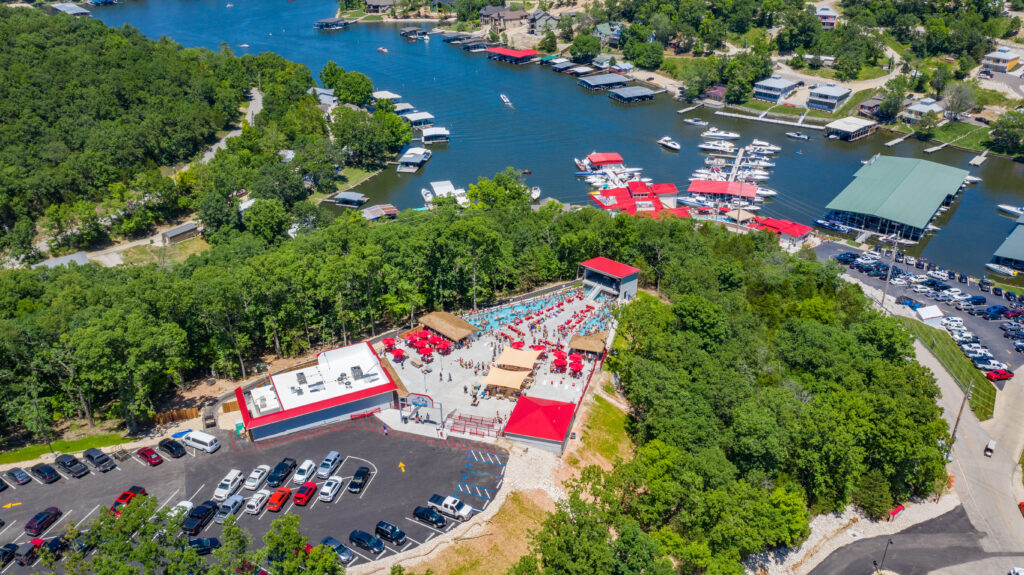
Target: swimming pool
497	319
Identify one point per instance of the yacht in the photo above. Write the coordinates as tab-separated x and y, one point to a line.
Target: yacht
505	99
761	151
999	269
713	133
535	193
669	143
1012	210
428	196
766	192
695	122
765	145
972	180
798	135
717	146
758	163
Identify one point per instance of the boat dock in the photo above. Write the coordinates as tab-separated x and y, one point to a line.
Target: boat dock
769	120
736	165
892	143
688	110
979	160
935	148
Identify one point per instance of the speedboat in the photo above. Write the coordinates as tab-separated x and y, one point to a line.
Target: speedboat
692	202
717	146
713	133
832	225
1012	210
695	122
798	135
760	150
669	143
765	145
999	269
505	99
243	46
535	193
972	180
766	192
757	163
382	49
428	196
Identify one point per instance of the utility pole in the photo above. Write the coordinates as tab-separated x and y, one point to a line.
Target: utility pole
888	276
880	566
967	396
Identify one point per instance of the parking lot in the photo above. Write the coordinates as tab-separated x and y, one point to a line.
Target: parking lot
988	331
405	471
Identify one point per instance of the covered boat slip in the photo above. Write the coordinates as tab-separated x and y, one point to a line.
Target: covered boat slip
603	82
386	95
348	199
563	65
435	135
900	196
511	56
631	94
404	108
420	119
331	24
412	32
412	160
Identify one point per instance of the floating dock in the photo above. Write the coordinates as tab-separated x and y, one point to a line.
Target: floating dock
935	148
770	120
892	143
979	160
688	110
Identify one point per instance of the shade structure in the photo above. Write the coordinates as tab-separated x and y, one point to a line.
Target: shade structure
388	341
575	357
397	353
426	350
423	334
559	354
518	344
420	343
576	366
444	344
559	362
435	339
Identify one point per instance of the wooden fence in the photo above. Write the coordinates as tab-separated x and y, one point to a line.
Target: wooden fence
176	415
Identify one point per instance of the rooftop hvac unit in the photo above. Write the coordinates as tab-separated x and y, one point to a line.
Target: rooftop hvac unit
357	372
301	377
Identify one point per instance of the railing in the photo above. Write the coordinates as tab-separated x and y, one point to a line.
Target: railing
473	425
366	413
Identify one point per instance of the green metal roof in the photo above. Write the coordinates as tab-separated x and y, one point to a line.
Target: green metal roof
1013	246
903	190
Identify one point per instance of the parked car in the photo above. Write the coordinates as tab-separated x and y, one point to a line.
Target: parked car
100	461
1013	334
171	447
228	486
149	457
7	553
964	306
328	465
28	552
304	473
999	375
331	488
181	510
345	555
281	472
429	516
997	291
977	300
257	477
42	520
71	465
366	541
18	476
56	546
45	473
257	502
204	546
359	480
898	281
389	532
125	498
305	493
230	507
278	499
199	518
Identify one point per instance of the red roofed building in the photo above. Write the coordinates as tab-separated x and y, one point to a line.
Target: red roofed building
604	159
345	381
510	55
790	233
602	274
543	423
642	199
716	188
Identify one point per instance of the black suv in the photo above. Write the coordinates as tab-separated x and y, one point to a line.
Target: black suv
57	546
27	553
389	532
429	516
72	465
281	472
171	447
99	460
199	518
7	553
359	480
45	473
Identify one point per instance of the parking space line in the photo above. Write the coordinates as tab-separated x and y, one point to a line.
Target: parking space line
87	515
413	540
429	537
6	528
164	504
56	523
37	479
482	473
262	513
8	567
430	527
197	492
290	505
12	486
352	549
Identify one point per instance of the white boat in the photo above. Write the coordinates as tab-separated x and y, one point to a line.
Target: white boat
382	49
692	202
798	135
505	99
897	241
972	180
717	146
761	151
695	122
1006	271
244	46
757	163
535	193
713	133
669	143
766	145
766	192
428	196
1012	210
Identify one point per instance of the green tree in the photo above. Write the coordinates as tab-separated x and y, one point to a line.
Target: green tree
648	55
1008	132
584	48
279	181
267	219
872	495
355	88
959	99
332	76
549	43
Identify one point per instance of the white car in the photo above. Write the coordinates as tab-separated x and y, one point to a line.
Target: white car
898	281
304	473
331	488
257	502
953	292
938	275
181	510
952	320
228	486
257	477
992	365
921	289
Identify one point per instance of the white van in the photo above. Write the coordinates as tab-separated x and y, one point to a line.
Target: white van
201	441
228	486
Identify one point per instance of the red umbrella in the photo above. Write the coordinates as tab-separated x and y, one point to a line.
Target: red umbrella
559	354
444	344
388	341
397	353
420	343
423	334
559	362
435	339
426	350
538	348
575	357
518	344
576	366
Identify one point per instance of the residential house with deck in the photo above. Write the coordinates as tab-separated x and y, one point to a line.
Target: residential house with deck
916	111
540	22
828	97
1002	60
827	16
774	89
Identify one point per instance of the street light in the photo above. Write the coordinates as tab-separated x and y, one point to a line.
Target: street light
880	566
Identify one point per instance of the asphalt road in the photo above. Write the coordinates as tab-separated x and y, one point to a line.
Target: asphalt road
406	471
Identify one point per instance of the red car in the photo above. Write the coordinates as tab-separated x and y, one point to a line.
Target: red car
999	375
307	490
126	498
147	455
278	499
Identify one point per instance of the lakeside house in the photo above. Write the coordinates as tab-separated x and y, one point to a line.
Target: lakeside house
774	89
380	6
828	97
499	17
715	93
827	16
916	111
325	96
379	212
610	33
540	22
71	10
791	234
1002	60
870	106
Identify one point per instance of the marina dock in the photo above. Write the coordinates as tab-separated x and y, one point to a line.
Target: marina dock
935	148
769	120
892	143
979	160
688	110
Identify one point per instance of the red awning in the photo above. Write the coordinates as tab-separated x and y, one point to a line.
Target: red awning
785	227
665	189
513	53
540	418
609	267
605	159
722	188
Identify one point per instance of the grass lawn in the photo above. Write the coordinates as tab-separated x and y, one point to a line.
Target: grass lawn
851	105
866	73
902	49
963	135
983	396
178	252
34	451
352	14
372	18
604	432
748	39
988	97
676	66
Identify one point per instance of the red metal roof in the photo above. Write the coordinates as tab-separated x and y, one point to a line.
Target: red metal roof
726	188
251	422
605	159
609	267
785	227
513	53
541	418
665	189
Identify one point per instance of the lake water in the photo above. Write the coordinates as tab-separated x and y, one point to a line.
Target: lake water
553	120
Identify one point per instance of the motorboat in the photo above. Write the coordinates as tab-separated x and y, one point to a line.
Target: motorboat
428	196
717	146
1012	210
714	133
757	163
244	46
693	202
669	143
766	192
832	225
1004	270
382	49
765	145
760	150
695	122
798	135
972	180
897	241
535	193
505	99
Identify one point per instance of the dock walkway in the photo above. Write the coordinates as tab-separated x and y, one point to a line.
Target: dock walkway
979	160
769	120
688	110
892	143
736	165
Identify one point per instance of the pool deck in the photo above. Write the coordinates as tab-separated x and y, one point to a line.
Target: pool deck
446	381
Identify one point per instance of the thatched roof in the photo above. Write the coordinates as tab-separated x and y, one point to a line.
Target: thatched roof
448	325
592	343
